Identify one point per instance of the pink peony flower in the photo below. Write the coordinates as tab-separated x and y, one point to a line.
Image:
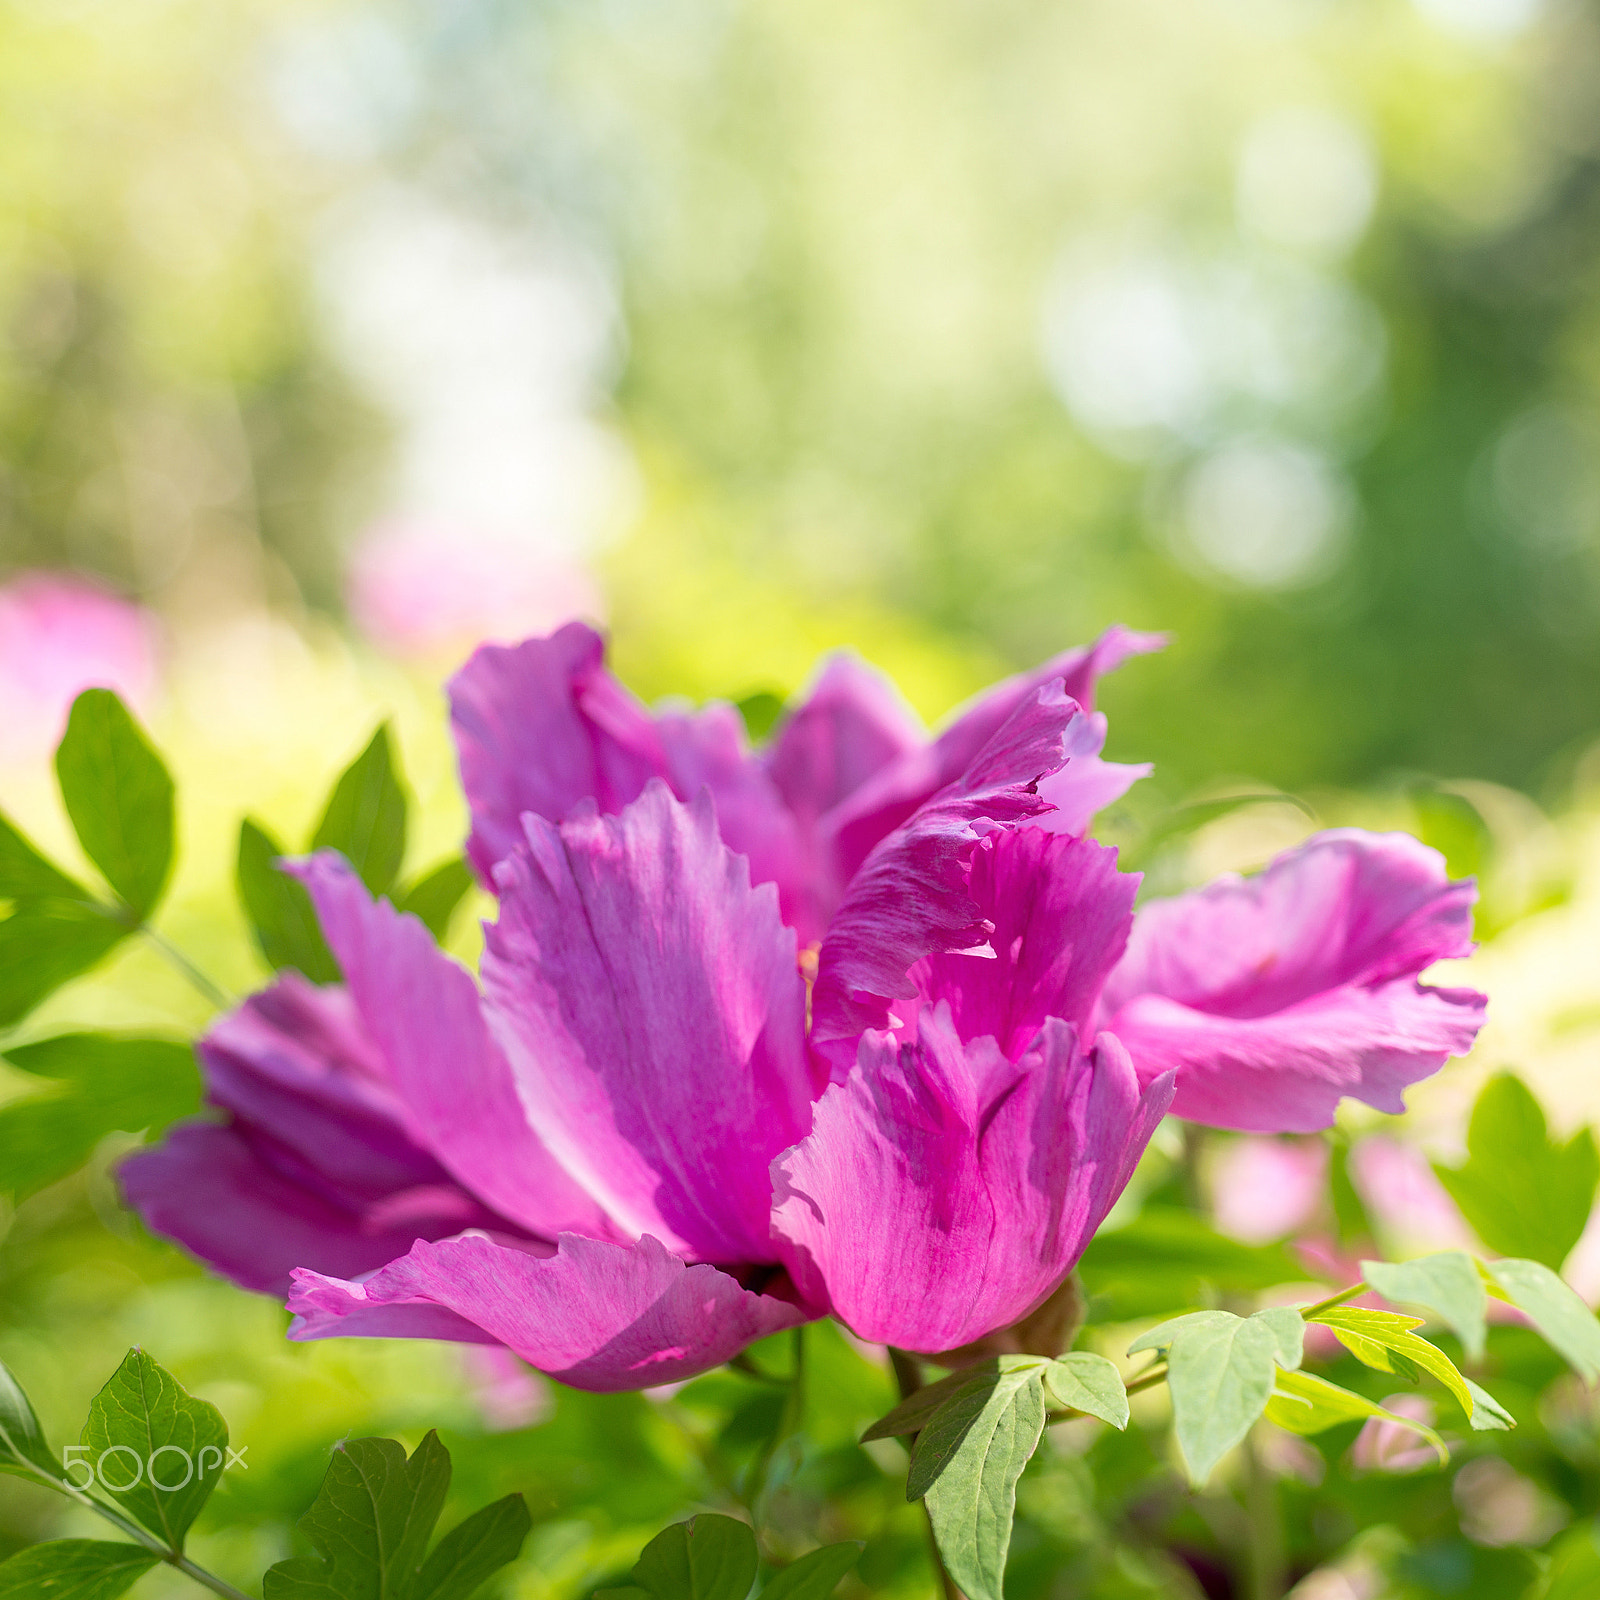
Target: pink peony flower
767	1036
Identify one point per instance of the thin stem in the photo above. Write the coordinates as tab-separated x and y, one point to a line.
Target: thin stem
213	992
1333	1300
173	1558
908	1376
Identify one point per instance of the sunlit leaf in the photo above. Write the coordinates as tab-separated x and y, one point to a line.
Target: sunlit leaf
365	819
74	1569
1447	1284
46	943
1555	1310
100	1084
435	896
1524	1194
965	1467
709	1557
1488	1415
119	796
1378	1337
1306	1404
1088	1383
156	1449
279	910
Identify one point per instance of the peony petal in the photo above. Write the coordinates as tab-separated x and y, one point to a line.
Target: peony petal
945	1192
1061	913
596	1316
911	898
452	1080
1274	996
542	726
886	801
206	1188
1086	785
651	1005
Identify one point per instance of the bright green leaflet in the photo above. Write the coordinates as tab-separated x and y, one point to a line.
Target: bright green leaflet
1447	1284
435	896
98	1084
813	1576
709	1557
119	796
1304	1403
279	909
1371	1336
74	1569
1088	1383
43	944
1220	1370
365	819
1524	1194
1555	1310
965	1466
145	1431
26	875
1488	1415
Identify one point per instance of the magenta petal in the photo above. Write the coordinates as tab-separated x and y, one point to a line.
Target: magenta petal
944	1191
597	1316
541	726
1086	785
652	1007
206	1188
1272	997
911	899
884	802
459	1097
1061	912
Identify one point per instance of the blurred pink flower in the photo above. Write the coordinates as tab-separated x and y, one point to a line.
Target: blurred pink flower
1404	1198
1388	1446
61	634
426	591
509	1393
1266	1189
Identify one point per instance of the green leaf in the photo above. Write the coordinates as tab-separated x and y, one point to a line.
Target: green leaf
475	1549
99	1084
1220	1370
365	819
1304	1403
1574	1571
1447	1284
1088	1383
1379	1337
965	1467
44	944
23	1448
912	1414
1555	1310
371	1522
761	712
1524	1194
279	909
1288	1330
709	1557
435	896
119	796
1488	1415
27	875
156	1449
813	1576
74	1569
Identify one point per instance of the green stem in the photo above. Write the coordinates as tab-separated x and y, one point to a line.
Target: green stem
1306	1312
173	1558
213	992
908	1376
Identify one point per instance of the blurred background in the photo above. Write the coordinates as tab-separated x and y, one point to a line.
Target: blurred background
338	335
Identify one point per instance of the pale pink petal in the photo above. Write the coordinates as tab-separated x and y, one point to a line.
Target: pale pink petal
1272	997
1266	1189
911	897
1086	785
596	1316
650	1002
945	1191
1060	912
448	1075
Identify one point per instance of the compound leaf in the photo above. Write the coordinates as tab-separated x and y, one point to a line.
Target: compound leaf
74	1569
365	819
44	944
1089	1383
1385	1342
1447	1284
1304	1403
1555	1310
709	1557
279	909
473	1550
